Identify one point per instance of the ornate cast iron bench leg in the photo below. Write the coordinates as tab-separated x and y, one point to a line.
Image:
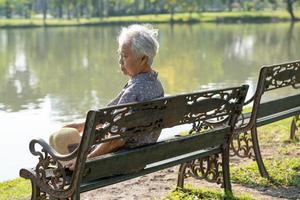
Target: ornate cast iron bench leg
76	195
226	171
241	145
181	175
295	126
36	193
262	169
207	168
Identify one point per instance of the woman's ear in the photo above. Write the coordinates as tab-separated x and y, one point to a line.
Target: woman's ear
144	60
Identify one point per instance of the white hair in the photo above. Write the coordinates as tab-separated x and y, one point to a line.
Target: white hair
143	40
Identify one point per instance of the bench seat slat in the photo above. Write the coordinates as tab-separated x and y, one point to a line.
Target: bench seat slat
279	105
278	116
274	110
137	158
102	182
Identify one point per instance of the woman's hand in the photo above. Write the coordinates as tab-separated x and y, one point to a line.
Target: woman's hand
71	165
78	126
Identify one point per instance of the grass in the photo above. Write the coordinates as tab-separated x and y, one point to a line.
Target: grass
283	167
202	193
18	188
284	172
283	164
277	132
253	16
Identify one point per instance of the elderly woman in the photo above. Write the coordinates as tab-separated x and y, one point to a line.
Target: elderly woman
138	46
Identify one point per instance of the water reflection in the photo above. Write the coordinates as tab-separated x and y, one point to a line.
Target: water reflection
54	75
78	67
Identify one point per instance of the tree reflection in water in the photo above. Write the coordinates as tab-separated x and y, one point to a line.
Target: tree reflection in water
53	76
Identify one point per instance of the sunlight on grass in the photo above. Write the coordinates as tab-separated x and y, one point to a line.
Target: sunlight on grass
284	172
202	193
15	189
276	132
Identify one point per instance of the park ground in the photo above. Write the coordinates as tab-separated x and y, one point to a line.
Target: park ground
281	155
206	17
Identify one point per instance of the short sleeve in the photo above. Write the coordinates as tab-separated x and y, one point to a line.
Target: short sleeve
130	95
115	100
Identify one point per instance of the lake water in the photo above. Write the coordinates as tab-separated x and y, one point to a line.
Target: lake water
53	76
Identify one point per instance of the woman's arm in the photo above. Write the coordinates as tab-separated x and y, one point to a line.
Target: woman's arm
107	147
78	126
101	149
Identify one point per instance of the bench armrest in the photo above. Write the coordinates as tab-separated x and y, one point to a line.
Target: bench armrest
47	149
49	173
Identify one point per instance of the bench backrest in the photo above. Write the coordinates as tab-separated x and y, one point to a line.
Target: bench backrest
273	77
204	110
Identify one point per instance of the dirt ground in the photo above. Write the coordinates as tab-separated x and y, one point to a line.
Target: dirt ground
157	185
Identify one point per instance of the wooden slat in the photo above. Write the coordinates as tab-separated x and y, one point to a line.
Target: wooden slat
117	163
175	113
279	105
275	110
102	182
278	116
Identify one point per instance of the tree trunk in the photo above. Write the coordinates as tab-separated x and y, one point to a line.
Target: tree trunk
136	7
60	11
172	13
76	10
45	8
8	9
290	9
101	9
96	9
81	10
145	6
190	13
68	13
28	11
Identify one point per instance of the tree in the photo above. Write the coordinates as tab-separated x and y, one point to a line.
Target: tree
45	9
291	10
190	6
58	6
171	4
8	8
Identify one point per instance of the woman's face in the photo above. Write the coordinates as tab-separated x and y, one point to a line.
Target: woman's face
130	63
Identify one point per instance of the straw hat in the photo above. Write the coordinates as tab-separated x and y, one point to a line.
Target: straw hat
64	140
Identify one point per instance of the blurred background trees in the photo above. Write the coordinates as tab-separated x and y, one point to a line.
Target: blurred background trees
70	9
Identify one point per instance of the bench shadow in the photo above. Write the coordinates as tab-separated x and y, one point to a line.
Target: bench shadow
277	190
290	192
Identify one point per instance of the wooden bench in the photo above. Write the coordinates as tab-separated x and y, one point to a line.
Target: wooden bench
273	77
206	149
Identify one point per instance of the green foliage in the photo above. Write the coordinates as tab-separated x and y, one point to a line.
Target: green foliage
98	8
202	193
150	18
284	172
15	189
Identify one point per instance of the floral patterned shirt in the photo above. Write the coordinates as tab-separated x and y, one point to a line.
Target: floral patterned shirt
142	87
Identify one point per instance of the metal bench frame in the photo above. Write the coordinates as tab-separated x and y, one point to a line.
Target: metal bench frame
213	115
271	77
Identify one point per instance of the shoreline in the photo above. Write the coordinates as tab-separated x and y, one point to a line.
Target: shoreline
178	18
